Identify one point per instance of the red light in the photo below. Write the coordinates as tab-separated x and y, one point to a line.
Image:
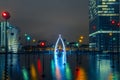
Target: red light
42	44
118	24
5	15
94	27
113	22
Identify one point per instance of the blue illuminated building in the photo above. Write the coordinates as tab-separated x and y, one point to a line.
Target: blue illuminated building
104	28
12	36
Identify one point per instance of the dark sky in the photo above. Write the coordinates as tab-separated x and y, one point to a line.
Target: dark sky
45	19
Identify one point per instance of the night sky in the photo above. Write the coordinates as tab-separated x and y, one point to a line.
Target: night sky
45	19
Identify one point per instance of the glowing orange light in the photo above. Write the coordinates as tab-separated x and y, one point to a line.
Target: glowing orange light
80	74
80	41
33	72
81	37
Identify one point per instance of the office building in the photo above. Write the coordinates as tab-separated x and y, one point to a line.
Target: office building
104	25
12	37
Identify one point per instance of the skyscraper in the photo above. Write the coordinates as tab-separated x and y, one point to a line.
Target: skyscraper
104	25
12	36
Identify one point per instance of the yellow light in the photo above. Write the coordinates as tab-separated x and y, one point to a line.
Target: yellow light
34	40
110	34
33	72
103	3
81	37
80	41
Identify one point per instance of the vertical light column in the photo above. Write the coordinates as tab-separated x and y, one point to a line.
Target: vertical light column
64	50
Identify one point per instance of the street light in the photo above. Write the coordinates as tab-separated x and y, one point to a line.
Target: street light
6	16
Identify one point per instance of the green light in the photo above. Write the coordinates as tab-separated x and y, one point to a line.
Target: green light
25	74
53	67
25	34
77	44
28	38
114	39
68	72
67	43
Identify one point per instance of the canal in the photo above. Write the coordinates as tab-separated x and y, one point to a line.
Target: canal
42	66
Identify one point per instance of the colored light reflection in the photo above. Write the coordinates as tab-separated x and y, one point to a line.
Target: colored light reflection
113	76
58	74
55	71
25	74
53	67
68	72
39	66
33	73
80	74
61	72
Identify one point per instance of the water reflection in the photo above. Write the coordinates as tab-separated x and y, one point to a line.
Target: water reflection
80	74
25	74
39	68
80	67
106	69
33	73
60	71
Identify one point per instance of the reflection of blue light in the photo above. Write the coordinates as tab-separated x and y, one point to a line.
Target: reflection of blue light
63	51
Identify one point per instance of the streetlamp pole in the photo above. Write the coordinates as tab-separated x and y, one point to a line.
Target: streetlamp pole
6	16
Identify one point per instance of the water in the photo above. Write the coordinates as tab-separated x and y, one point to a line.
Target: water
82	66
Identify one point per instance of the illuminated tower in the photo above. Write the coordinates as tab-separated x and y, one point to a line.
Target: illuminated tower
104	19
63	51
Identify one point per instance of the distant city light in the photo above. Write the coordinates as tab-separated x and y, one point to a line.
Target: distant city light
118	24
33	40
81	37
28	38
5	15
113	21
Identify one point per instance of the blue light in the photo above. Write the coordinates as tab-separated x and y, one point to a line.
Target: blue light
56	51
28	38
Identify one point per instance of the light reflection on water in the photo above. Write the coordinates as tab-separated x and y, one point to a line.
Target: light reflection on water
78	67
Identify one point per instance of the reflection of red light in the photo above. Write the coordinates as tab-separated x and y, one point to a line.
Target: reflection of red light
39	66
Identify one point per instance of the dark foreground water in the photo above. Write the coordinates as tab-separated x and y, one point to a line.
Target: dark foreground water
82	66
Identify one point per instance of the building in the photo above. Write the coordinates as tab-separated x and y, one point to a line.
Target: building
12	37
104	25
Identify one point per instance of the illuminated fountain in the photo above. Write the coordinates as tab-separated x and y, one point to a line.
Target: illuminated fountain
60	52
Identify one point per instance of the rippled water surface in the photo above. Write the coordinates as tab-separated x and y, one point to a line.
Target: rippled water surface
42	66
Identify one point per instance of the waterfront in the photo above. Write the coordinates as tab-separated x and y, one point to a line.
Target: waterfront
79	66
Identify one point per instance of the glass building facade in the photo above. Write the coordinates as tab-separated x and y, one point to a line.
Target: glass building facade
12	37
104	25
